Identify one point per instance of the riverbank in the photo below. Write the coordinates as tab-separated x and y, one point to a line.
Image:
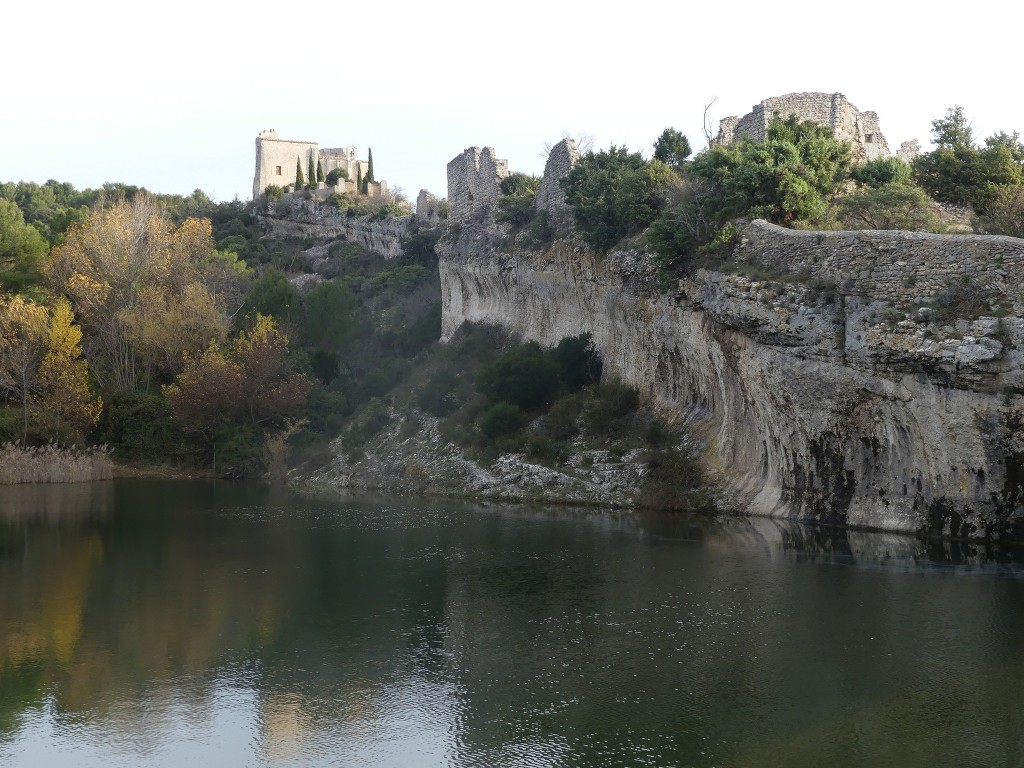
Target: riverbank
47	464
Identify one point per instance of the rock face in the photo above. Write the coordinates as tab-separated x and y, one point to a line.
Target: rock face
838	402
290	217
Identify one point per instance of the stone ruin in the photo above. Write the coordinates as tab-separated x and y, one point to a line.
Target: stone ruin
833	110
474	183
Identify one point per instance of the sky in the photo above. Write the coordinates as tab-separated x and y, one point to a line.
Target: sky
171	96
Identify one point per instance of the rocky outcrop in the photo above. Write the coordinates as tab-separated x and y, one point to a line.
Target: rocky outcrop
294	217
817	401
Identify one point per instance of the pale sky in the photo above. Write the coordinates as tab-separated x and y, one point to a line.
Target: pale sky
171	96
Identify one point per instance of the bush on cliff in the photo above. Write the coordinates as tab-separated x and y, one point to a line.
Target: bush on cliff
889	206
960	172
614	194
788	177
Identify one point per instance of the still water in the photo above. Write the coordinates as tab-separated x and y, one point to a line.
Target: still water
168	624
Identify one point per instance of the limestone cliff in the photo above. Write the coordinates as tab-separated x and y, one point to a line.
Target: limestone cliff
293	217
839	401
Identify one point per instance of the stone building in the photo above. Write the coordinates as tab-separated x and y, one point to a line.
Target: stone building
833	110
276	158
474	181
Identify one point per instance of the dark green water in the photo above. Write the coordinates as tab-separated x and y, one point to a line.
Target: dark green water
168	624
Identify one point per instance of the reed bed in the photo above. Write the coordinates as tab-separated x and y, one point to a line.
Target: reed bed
53	464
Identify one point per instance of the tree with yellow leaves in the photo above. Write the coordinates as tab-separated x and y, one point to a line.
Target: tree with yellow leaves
138	285
23	332
64	404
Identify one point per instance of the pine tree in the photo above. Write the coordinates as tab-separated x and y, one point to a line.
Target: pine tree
319	171
312	169
300	181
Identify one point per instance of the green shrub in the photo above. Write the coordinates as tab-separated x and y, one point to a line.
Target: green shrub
613	402
884	170
501	419
418	247
613	194
673	481
273	192
437	395
1005	215
578	362
335	175
890	206
524	376
563	417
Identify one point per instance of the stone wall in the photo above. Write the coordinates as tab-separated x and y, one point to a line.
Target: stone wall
903	267
474	179
561	159
829	109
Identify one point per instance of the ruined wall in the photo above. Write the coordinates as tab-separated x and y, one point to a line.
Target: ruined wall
903	267
473	184
829	109
561	159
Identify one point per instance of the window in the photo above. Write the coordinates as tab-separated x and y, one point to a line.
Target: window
278	172
869	138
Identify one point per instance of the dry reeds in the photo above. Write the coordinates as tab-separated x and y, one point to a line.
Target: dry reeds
53	464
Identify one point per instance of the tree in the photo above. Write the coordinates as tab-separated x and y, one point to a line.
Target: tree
22	248
884	170
23	335
250	383
785	178
121	260
672	148
613	194
330	319
312	170
336	174
360	187
300	180
272	295
319	171
890	206
958	171
369	167
64	401
525	377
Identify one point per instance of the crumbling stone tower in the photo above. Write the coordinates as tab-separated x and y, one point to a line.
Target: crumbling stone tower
474	184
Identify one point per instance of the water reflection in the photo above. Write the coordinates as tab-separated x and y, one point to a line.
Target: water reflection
166	623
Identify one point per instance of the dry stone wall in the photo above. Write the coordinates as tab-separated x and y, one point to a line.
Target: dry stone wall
904	267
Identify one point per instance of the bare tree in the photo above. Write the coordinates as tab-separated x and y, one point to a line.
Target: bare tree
708	123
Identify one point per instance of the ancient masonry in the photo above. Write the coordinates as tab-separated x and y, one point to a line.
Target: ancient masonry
829	109
276	158
902	267
474	181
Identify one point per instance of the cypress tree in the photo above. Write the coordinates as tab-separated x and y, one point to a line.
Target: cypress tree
369	167
299	180
359	178
319	171
312	169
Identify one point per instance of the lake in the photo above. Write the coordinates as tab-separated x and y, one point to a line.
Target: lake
192	623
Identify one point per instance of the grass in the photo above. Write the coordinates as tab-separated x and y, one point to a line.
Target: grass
52	464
